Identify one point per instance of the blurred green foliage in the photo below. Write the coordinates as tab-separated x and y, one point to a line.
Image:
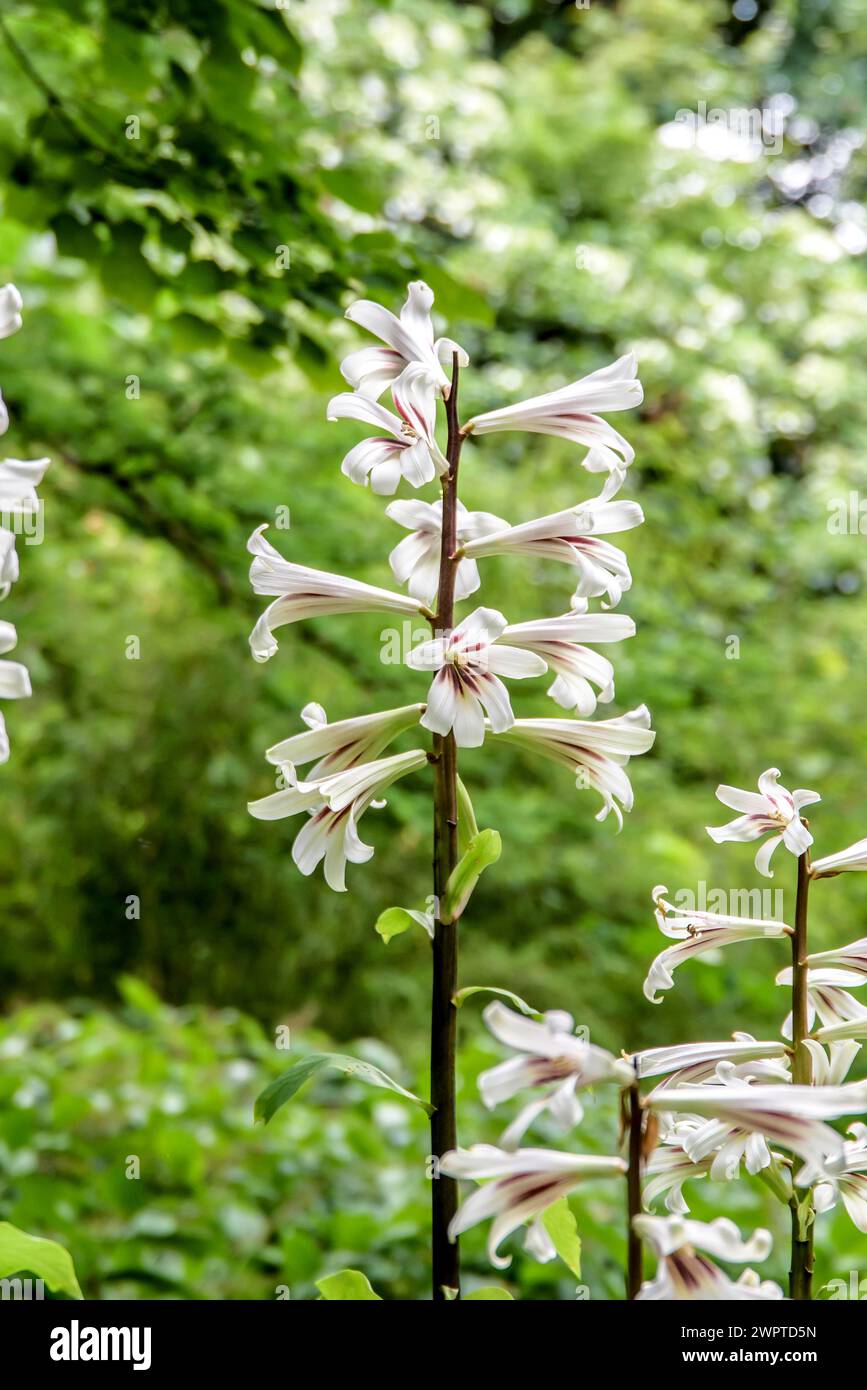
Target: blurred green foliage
184	275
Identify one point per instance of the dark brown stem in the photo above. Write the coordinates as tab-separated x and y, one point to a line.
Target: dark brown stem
446	1256
801	1269
635	1255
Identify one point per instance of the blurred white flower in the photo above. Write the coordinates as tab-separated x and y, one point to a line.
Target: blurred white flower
695	933
415	561
526	1182
14	681
411	452
408	338
595	750
556	641
685	1274
570	411
853	859
772	808
308	593
468	662
552	1058
11	305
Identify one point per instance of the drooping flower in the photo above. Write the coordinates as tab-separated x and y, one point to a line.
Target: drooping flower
557	641
570	412
595	750
686	1064
334	747
408	339
468	662
11	305
572	537
415	561
335	805
788	1115
410	452
552	1058
526	1182
695	933
772	808
308	593
850	1183
853	859
684	1272
14	681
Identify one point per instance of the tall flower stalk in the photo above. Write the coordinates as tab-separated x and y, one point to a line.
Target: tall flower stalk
467	704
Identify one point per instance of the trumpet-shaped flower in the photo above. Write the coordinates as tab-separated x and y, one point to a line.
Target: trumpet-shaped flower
772	808
685	1274
334	747
686	1064
335	805
468	662
410	452
788	1115
525	1183
695	933
552	1058
853	859
571	411
409	339
14	681
595	750
415	561
308	593
557	641
830	976
572	537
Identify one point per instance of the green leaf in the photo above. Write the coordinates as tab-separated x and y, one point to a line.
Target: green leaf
347	1286
563	1230
491	1294
284	1088
484	849
396	920
520	1004
467	827
44	1258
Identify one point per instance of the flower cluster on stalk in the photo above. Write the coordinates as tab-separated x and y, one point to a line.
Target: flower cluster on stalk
467	663
18	501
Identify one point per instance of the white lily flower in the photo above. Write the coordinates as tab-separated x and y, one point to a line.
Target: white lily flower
14	682
526	1182
715	1146
831	1067
572	537
409	339
686	1064
335	805
772	808
557	641
851	1183
415	561
695	933
685	1274
308	593
596	751
853	859
841	1014
788	1115
570	412
334	747
467	664
11	305
412	451
552	1058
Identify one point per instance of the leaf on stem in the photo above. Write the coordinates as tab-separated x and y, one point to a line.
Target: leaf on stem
520	1004
396	920
286	1086
563	1230
484	849
34	1255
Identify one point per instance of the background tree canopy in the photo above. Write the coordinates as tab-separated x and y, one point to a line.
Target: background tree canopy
192	194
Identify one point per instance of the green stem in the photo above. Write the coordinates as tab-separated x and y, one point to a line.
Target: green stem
801	1269
444	1201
